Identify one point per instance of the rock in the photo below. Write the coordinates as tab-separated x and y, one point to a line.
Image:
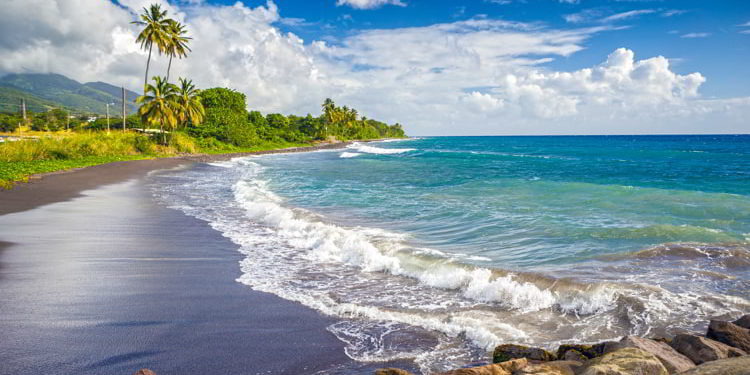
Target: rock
574	355
503	368
550	368
729	366
743	321
144	371
730	334
392	371
589	351
700	349
626	361
507	352
673	361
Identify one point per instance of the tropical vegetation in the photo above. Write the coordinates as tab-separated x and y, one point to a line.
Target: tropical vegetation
189	120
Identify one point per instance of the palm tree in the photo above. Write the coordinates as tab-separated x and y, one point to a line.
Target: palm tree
155	32
159	105
177	45
189	103
329	109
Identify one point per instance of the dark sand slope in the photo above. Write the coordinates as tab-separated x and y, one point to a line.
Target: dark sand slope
111	282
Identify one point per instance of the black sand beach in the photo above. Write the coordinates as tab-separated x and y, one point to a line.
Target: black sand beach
110	282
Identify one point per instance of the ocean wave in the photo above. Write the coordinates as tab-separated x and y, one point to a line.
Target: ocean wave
386	292
326	242
378	150
346	155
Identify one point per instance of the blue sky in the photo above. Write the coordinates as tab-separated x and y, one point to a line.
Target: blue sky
723	56
477	67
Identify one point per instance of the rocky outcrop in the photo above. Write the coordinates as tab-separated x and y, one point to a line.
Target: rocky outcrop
626	361
503	368
588	351
574	355
730	334
392	371
550	368
701	349
507	352
144	371
743	321
673	361
729	366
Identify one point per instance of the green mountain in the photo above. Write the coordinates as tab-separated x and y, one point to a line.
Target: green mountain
43	91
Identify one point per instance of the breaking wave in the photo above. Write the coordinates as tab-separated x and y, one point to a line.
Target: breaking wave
378	150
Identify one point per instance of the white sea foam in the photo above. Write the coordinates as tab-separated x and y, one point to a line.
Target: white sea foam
349	154
384	290
326	242
378	150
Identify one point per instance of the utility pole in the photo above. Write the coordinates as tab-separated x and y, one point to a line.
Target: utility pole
23	109
124	115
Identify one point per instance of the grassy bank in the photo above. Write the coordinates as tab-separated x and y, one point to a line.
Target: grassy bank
67	150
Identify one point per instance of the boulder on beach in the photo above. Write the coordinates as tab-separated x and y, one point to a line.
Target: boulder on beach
626	361
743	321
550	368
588	351
730	334
392	371
701	349
507	352
672	360
728	366
503	368
574	355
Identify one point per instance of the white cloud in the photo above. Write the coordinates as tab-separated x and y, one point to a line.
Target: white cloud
626	15
369	4
595	15
478	76
695	35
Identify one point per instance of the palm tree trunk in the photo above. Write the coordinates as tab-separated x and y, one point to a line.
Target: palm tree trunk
169	66
145	80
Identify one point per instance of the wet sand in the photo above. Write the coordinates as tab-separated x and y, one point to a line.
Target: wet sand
107	281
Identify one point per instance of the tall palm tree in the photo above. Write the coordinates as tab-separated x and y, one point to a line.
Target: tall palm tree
155	29
159	105
189	103
329	110
177	45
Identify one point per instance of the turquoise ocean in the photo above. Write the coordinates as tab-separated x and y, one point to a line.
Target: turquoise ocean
438	248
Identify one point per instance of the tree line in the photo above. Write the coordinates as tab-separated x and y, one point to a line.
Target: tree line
217	114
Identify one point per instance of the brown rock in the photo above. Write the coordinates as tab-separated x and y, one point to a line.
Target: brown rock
507	352
730	334
392	371
550	368
700	349
144	371
503	368
589	351
729	366
574	355
673	361
743	321
626	361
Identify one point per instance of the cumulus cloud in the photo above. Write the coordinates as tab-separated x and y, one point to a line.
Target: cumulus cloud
369	4
477	76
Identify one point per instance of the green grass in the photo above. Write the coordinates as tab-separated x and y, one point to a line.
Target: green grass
61	151
19	171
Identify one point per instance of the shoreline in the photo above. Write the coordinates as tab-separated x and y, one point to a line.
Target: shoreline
135	284
57	186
